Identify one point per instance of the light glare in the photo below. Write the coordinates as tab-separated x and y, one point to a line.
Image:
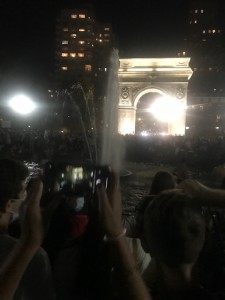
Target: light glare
167	109
22	104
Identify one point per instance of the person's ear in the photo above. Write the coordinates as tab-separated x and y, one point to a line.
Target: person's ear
13	206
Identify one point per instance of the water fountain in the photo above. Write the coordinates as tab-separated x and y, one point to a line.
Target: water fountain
82	110
112	150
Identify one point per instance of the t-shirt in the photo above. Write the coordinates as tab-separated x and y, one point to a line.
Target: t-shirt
37	282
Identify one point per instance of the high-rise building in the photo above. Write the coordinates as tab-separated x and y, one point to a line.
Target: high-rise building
83	46
205	44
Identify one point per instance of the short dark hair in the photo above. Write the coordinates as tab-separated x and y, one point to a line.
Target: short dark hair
162	180
12	172
174	229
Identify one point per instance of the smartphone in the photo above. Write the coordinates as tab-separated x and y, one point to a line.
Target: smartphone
100	175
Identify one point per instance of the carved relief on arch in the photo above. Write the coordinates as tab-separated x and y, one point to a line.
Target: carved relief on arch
180	92
125	95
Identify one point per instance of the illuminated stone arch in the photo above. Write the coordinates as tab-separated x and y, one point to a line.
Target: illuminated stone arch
137	77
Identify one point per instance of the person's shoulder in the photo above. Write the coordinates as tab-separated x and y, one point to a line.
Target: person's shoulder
141	206
40	257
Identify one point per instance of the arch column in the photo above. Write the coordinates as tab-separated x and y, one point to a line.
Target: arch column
126	120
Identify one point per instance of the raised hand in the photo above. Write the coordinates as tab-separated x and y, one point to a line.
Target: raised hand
31	220
110	206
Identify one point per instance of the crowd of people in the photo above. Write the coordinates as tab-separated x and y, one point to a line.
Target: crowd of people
37	145
56	244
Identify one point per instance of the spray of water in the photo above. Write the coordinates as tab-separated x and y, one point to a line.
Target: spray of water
79	103
111	145
82	107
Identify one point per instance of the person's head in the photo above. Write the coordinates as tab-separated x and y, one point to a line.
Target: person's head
13	174
162	180
174	229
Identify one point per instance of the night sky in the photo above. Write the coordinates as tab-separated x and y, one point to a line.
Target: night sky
143	29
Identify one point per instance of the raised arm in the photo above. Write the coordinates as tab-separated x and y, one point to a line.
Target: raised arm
204	195
15	265
110	210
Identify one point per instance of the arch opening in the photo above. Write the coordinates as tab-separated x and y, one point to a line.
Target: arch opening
146	121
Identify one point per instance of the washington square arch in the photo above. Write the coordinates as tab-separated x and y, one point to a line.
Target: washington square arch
143	82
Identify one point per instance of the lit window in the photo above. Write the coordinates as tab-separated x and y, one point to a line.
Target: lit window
87	68
196	11
64	42
81	42
100	41
202	11
64	68
203	31
64	54
213	31
196	21
65	29
73	35
81	29
80	54
82	16
106	34
100	35
210	69
73	16
72	54
184	53
106	28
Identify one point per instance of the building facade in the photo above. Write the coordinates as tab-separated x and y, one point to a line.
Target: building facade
83	49
82	46
205	44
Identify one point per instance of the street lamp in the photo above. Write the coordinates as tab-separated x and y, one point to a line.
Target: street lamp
22	104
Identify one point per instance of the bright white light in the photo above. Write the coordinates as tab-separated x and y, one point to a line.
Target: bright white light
167	109
144	133
22	104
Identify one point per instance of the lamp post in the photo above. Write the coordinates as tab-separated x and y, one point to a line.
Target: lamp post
23	105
